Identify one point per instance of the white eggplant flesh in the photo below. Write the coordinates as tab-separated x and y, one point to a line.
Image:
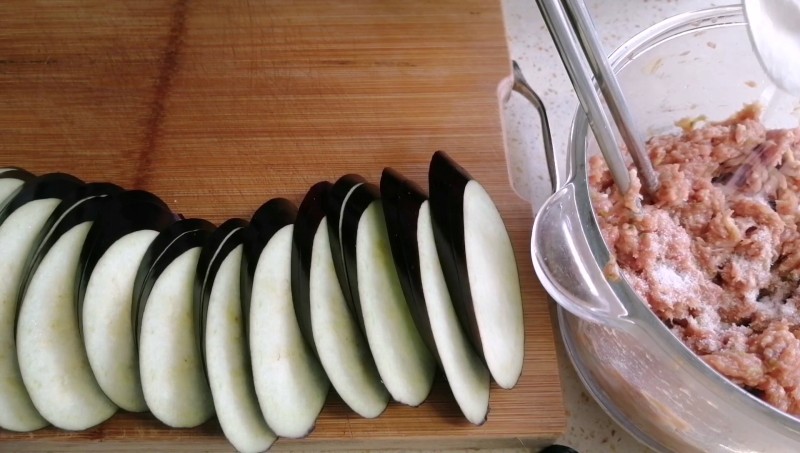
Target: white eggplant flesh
494	286
342	349
290	383
227	361
171	367
466	374
7	187
107	328
50	350
404	363
17	236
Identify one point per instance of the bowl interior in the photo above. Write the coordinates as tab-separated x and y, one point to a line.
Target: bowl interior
701	68
694	65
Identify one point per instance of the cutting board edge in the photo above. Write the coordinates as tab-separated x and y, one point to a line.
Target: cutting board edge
220	444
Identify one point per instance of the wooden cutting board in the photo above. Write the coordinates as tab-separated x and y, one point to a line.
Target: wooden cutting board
219	106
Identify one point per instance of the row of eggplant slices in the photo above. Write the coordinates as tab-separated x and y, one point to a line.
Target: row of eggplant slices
109	300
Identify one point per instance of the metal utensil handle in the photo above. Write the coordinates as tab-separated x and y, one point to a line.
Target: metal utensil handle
615	99
562	256
569	49
521	86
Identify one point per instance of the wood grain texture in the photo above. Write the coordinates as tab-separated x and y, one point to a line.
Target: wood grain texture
219	106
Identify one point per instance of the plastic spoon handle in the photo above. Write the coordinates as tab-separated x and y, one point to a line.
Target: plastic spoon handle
587	35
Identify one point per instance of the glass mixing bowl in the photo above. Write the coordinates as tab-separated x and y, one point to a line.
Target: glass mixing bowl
694	64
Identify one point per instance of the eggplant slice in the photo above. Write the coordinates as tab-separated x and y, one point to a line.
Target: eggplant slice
408	220
224	342
479	267
289	381
21	225
337	198
309	215
401	202
110	259
216	248
52	358
466	373
170	364
320	303
266	221
404	363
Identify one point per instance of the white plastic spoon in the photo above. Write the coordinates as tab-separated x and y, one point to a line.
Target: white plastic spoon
774	28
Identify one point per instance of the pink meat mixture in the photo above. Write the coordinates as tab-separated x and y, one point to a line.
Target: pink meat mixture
716	252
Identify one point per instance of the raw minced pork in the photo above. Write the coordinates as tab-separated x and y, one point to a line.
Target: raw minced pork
716	252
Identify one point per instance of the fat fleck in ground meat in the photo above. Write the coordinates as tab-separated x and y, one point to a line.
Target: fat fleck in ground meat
716	253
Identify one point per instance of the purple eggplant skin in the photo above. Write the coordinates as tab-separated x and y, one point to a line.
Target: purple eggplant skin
170	243
217	247
309	216
16	173
447	182
333	211
86	203
90	202
266	221
354	206
52	185
124	213
402	200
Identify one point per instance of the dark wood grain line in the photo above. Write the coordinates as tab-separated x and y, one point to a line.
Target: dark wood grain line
166	74
28	61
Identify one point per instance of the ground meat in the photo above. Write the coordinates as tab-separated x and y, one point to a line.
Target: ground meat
716	252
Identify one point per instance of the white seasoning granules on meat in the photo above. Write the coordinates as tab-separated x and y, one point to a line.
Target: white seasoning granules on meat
668	278
673	289
716	255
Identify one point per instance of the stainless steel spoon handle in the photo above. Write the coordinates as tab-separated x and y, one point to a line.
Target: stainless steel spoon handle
576	42
570	50
615	99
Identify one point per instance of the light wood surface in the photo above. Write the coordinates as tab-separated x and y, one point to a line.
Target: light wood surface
219	106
